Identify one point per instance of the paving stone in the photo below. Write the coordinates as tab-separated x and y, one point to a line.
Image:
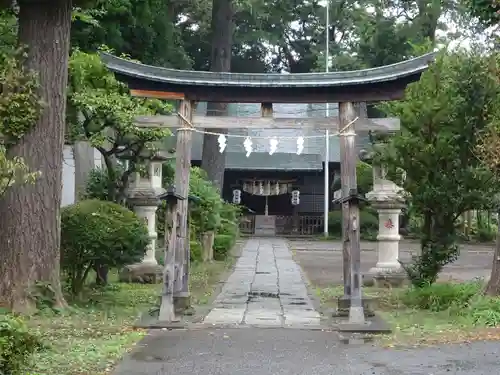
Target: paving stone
225	316
265	289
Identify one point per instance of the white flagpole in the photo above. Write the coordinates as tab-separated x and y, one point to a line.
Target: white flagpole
327	134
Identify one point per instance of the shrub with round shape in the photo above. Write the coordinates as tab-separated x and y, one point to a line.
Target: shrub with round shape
99	232
367	217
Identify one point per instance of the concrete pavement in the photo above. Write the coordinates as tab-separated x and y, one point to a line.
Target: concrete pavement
255	351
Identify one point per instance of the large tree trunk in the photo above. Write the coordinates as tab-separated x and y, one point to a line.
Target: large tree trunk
30	220
213	162
493	287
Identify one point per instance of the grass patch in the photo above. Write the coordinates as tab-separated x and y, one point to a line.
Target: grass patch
205	278
442	312
96	331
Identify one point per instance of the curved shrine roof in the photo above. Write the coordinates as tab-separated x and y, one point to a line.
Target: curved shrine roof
381	83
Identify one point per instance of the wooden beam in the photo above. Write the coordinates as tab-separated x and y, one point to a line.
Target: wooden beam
389	124
157	94
350	214
266	109
182	174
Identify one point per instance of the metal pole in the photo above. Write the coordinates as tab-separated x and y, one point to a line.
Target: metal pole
327	133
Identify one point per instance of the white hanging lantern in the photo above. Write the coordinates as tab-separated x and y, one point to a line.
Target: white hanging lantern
236	196
295	197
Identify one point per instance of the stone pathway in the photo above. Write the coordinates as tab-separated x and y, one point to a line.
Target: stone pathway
266	289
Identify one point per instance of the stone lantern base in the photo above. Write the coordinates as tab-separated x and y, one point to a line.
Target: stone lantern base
143	273
144	200
386	199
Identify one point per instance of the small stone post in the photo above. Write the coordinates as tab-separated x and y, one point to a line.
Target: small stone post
143	195
386	197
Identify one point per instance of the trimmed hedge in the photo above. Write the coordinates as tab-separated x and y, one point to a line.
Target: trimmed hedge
95	232
368	222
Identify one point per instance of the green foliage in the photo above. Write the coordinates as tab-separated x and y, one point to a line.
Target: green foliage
464	300
195	251
368	222
440	297
101	110
205	214
97	232
487	11
364	176
143	29
17	345
228	231
20	105
223	243
19	109
98	184
487	234
442	117
208	213
13	171
230	218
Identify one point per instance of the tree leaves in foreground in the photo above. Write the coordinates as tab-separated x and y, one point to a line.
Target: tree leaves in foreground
19	109
487	11
102	111
488	151
441	119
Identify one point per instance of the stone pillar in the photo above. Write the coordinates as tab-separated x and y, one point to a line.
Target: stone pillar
143	194
147	212
386	197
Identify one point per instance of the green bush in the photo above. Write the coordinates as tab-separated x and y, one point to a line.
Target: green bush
98	184
195	251
17	345
441	296
364	177
368	222
99	232
208	213
484	311
230	219
204	214
486	234
223	243
464	300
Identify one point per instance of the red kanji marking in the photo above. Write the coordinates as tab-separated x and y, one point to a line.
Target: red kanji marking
388	224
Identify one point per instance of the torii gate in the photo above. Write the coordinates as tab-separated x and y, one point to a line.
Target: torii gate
368	85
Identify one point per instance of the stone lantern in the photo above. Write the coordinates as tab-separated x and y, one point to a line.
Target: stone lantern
142	194
387	198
